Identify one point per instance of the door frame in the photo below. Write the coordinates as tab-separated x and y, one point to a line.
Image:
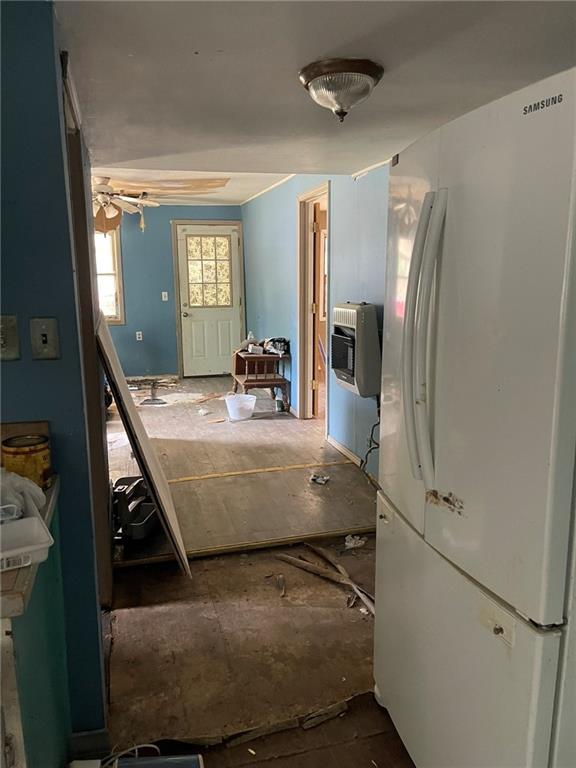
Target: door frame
88	311
174	224
305	283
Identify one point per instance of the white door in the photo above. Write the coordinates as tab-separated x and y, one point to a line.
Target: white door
467	683
410	181
211	303
505	393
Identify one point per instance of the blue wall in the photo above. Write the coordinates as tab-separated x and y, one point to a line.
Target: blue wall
38	280
357	254
358	224
148	269
270	225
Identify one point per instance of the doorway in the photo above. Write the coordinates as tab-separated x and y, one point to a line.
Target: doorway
210	295
313	303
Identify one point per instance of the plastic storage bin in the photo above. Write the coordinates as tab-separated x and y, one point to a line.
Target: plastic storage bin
23	542
240	407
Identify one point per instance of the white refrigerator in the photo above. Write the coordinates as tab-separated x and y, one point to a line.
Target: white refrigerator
475	638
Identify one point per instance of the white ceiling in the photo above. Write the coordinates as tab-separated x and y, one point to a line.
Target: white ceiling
213	86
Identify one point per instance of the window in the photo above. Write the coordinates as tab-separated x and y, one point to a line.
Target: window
209	270
109	275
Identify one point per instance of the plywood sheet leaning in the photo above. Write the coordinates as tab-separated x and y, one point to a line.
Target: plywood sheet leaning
141	446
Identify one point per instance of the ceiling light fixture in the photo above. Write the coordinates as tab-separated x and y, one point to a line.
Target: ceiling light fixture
340	84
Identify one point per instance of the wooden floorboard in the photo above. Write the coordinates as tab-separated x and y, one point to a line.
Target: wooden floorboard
249	481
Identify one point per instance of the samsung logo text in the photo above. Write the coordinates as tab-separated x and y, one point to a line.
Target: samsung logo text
543	104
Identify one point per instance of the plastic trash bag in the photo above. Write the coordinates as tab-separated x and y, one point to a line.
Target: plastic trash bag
20	492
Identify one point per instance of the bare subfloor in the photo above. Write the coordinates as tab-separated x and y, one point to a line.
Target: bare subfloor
225	653
223	502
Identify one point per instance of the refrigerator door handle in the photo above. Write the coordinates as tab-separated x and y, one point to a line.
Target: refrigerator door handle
407	376
429	260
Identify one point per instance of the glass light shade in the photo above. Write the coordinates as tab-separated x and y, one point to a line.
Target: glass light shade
110	211
340	91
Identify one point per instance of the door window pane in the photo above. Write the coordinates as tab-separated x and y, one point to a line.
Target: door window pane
210	295
223	271
223	248
195	292
194	271
194	247
224	295
208	249
209	271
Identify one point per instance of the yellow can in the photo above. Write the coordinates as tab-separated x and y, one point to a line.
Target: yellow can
28	456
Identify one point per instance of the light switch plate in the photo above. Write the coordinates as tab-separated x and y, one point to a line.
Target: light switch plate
164	295
44	338
9	340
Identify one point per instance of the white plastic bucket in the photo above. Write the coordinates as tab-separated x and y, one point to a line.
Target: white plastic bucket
240	407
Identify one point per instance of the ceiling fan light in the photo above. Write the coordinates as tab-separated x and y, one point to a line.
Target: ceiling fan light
340	84
111	211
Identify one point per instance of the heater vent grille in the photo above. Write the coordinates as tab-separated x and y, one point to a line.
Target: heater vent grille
344	316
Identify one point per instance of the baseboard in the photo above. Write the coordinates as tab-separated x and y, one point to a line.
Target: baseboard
89	744
346	451
294	412
153	377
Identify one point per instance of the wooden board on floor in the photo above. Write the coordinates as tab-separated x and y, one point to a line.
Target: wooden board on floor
144	453
250	511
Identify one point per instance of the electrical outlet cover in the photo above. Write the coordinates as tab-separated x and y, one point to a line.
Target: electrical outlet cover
9	340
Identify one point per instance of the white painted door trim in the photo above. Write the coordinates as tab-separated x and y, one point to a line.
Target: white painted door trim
174	224
305	218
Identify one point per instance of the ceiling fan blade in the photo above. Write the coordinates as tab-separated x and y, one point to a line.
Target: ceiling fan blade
138	200
95	207
105	189
125	205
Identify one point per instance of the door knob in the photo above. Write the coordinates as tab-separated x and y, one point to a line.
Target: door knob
184	314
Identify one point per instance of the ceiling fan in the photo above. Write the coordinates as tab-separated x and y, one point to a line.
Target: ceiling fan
109	204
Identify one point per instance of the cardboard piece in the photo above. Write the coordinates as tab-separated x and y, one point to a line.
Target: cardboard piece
141	446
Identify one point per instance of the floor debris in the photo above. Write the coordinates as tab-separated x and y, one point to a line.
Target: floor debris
210	396
281	584
319	479
365	596
265	730
316	718
361	732
353	542
339	577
